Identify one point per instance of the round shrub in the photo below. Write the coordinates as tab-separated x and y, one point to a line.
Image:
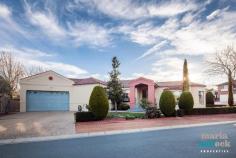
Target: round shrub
98	102
167	103
210	99
186	101
123	106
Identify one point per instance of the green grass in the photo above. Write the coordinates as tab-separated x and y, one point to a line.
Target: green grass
126	115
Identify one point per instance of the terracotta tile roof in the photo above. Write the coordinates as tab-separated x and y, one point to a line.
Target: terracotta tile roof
85	81
168	84
226	83
177	84
125	83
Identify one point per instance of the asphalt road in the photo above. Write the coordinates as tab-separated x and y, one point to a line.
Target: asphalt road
172	143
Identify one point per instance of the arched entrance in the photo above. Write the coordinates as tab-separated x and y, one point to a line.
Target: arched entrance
141	88
141	92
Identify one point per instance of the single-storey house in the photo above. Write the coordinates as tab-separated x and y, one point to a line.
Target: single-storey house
223	92
50	91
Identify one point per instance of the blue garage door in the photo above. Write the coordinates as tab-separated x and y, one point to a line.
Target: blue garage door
47	101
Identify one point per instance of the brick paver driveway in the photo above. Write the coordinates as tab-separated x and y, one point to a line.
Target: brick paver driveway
33	124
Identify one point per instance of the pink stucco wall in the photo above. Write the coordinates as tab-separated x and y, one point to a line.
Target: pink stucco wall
151	90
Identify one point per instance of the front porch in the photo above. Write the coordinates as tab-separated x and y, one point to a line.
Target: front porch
141	88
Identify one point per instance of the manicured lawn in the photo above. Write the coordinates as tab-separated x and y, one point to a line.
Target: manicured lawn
127	115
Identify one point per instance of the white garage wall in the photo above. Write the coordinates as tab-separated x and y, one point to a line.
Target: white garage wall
79	95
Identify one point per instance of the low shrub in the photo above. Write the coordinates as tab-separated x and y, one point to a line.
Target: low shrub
208	111
210	98
144	104
152	112
130	117
186	102
84	116
123	107
124	114
167	103
180	112
98	102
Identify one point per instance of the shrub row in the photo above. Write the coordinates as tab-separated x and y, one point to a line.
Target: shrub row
167	103
207	111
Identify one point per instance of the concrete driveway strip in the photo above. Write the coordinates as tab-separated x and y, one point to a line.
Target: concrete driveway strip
36	124
178	143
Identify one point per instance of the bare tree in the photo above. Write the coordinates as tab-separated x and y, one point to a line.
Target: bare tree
224	62
11	71
34	70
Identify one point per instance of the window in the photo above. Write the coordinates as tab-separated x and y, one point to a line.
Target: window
125	97
201	97
225	87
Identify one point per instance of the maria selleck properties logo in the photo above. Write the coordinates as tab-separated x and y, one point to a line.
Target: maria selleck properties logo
214	143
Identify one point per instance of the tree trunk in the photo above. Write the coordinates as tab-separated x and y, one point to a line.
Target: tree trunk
115	106
230	89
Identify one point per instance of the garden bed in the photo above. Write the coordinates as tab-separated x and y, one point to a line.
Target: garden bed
126	115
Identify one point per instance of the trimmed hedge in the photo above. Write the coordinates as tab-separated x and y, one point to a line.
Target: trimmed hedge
207	111
84	116
123	107
210	98
98	103
180	112
167	103
186	101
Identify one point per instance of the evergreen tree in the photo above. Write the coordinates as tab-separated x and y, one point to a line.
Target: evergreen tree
185	76
114	86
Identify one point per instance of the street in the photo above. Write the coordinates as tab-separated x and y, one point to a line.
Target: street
178	143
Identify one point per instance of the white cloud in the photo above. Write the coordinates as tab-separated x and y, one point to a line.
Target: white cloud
128	9
213	14
47	22
153	50
170	69
196	38
90	34
216	13
171	8
33	58
5	12
7	24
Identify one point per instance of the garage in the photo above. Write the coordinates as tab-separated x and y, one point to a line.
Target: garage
50	91
47	100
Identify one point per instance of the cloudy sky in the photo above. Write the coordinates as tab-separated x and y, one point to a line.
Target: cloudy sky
78	38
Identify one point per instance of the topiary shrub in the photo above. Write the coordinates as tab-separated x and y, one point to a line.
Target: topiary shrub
210	99
167	103
98	103
186	102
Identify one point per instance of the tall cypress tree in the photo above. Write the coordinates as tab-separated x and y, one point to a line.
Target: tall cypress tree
185	76
114	85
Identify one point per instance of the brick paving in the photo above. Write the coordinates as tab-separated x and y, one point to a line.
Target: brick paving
122	124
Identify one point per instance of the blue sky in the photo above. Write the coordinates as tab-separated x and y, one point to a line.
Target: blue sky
78	38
